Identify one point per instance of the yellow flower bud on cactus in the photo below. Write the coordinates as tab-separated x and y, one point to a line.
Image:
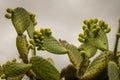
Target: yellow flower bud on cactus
9	10
81	39
108	30
95	20
3	76
91	21
14	60
8	16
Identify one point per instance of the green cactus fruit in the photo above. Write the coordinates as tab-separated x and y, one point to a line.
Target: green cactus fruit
88	49
100	41
22	47
113	71
16	78
73	53
21	20
69	73
13	69
44	69
98	66
52	45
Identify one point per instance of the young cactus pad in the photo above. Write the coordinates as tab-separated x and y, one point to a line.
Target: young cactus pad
95	33
44	69
20	19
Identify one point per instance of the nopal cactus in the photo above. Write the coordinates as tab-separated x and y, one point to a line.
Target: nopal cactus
106	66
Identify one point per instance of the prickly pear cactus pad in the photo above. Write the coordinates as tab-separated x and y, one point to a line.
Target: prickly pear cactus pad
73	53
14	69
45	41
94	35
98	66
22	20
22	46
113	67
44	69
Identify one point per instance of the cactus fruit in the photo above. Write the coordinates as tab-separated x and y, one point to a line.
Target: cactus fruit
44	69
22	47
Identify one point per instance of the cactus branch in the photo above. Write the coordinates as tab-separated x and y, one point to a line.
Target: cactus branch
117	39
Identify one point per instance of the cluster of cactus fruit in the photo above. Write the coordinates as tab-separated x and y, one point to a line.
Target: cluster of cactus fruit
106	66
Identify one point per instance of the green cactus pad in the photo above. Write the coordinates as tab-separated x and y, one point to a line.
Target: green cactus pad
95	71
94	33
13	69
22	47
88	49
100	41
113	71
69	73
52	45
21	20
73	53
44	69
30	31
98	66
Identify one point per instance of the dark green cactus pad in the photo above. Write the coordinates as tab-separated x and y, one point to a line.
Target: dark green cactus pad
69	73
113	71
21	20
13	69
44	69
52	45
98	66
73	53
22	47
88	49
83	65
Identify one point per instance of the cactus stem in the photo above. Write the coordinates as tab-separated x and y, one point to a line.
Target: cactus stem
116	42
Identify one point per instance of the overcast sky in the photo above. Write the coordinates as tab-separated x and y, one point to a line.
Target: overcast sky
64	17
